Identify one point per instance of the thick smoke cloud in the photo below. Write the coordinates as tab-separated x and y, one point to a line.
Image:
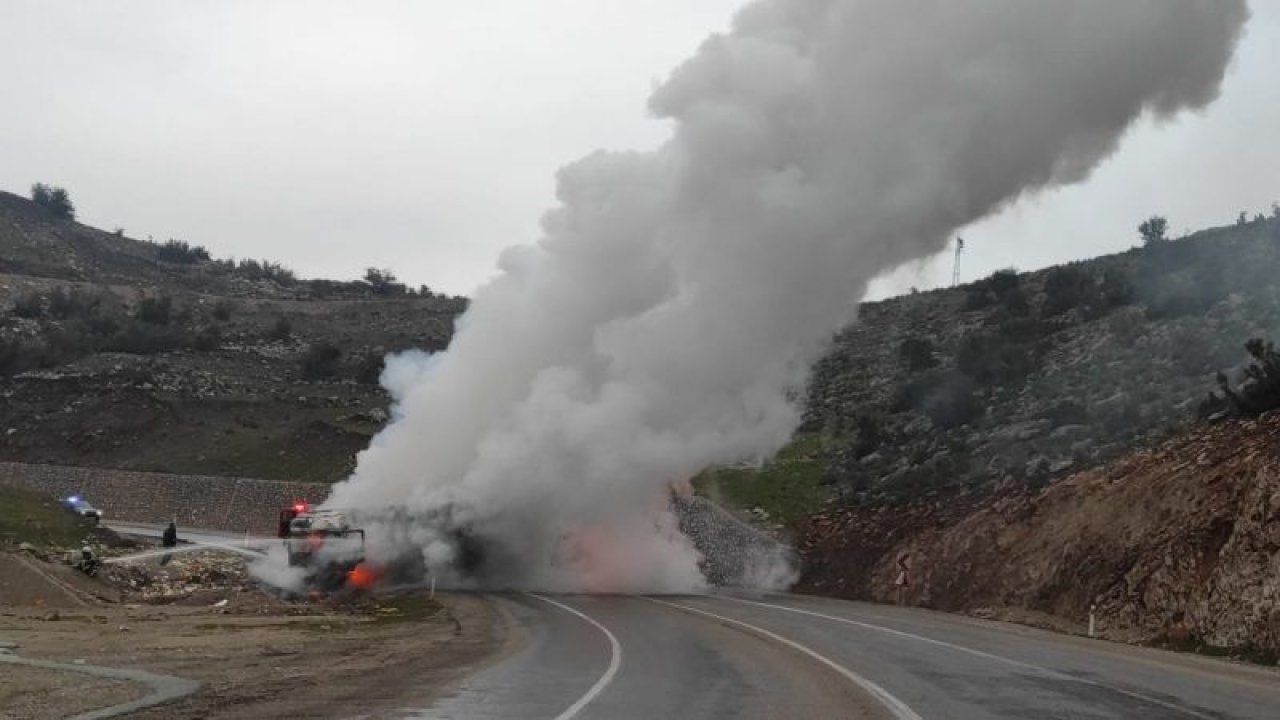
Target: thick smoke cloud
668	317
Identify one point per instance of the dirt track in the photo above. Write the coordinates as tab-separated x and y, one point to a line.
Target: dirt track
271	665
257	656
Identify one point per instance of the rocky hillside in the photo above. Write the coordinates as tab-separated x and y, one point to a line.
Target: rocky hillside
1178	545
1023	377
123	353
132	354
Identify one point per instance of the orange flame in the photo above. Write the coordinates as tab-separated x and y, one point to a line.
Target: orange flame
362	576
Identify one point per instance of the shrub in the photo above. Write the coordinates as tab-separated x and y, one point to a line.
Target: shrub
64	305
281	330
222	311
1065	288
917	353
993	289
1116	288
1152	230
53	200
320	361
156	310
1015	302
953	405
1067	412
28	305
208	339
1260	390
368	369
993	359
144	338
870	435
60	305
180	252
265	270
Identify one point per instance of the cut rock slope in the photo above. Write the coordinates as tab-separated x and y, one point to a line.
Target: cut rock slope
1178	544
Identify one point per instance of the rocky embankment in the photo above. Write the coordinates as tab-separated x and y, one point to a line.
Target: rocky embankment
1177	545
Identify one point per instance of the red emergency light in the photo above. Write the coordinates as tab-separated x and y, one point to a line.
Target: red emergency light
300	507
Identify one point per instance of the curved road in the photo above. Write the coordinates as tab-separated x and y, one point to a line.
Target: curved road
788	656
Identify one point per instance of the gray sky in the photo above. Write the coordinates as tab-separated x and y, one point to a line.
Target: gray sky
334	136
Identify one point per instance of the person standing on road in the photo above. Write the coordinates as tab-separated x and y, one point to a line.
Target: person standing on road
169	539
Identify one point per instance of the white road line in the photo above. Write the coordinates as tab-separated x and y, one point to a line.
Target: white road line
615	660
895	706
979	653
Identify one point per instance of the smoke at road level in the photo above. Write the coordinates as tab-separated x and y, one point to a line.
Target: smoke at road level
667	318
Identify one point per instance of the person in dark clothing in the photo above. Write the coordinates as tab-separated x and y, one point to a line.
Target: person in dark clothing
88	563
169	539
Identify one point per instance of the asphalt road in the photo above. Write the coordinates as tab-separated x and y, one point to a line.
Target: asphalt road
787	656
192	535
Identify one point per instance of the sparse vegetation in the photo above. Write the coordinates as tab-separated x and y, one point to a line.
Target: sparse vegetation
1260	389
994	358
28	305
38	519
1065	288
917	353
1003	287
156	310
208	339
281	330
788	488
265	270
368	367
180	252
948	399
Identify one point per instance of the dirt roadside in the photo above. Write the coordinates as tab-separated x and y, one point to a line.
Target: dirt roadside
258	656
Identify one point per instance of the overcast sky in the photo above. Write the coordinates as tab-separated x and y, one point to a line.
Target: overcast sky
334	136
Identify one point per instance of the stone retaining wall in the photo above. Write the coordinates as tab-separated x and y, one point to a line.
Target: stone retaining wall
197	501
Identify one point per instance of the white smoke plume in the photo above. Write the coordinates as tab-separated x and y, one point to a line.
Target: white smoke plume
667	319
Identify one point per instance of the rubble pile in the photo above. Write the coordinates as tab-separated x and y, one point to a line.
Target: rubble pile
182	577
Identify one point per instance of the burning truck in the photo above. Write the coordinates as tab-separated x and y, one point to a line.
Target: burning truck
325	545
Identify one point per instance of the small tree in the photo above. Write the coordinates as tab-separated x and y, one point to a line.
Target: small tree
383	282
1153	230
378	279
53	200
